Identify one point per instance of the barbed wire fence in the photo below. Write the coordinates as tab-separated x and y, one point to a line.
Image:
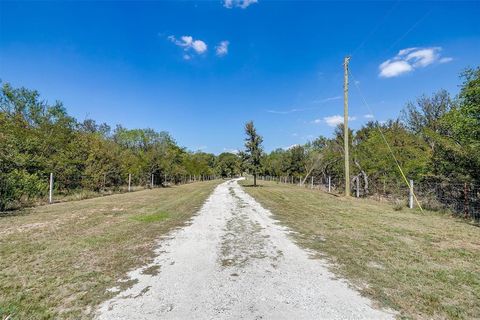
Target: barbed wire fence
461	199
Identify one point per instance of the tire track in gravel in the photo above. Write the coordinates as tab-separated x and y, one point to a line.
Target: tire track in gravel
235	262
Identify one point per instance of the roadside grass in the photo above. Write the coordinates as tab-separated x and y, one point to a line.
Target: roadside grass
154	217
424	265
57	261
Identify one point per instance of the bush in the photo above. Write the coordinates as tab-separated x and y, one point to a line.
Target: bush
18	187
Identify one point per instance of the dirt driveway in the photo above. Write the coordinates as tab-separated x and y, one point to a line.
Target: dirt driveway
235	262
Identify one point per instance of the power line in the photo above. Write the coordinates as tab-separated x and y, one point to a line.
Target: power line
372	32
408	31
385	140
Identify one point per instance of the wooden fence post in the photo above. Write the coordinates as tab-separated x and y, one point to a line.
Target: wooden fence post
329	184
357	187
129	181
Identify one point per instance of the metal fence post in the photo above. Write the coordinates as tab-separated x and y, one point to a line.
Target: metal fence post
358	187
329	184
50	191
410	198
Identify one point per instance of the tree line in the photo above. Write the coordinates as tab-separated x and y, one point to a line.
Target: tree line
38	138
435	140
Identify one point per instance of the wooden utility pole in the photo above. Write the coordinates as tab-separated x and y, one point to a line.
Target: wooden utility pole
345	126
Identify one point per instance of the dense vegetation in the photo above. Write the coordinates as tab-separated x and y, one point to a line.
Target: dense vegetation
37	138
436	141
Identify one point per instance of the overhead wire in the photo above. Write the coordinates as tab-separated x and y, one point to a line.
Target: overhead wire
372	32
385	140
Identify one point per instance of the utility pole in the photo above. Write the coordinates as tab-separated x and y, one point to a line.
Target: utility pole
345	126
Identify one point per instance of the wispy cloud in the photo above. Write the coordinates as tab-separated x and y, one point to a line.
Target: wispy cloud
293	110
290	110
327	99
229	4
332	121
222	48
407	60
368	116
190	45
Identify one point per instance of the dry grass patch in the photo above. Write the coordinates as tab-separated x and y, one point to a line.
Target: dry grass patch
425	265
57	261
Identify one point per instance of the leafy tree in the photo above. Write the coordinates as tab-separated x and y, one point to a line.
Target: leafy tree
227	165
458	154
424	117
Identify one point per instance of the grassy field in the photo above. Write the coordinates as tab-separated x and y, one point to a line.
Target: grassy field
56	261
424	265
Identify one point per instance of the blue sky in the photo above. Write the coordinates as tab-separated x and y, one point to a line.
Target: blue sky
201	69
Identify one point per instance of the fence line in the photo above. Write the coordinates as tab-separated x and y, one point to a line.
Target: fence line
154	182
462	199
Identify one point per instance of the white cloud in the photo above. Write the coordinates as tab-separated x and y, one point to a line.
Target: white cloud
394	68
238	3
234	151
368	116
290	147
188	44
199	46
222	48
410	59
332	121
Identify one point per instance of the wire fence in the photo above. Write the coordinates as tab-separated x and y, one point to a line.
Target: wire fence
461	199
56	188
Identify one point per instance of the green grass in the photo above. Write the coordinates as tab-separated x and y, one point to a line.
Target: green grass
154	217
56	261
424	265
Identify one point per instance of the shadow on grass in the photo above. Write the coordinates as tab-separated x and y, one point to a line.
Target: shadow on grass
15	212
252	186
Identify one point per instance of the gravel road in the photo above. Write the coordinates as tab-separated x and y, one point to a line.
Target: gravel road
235	262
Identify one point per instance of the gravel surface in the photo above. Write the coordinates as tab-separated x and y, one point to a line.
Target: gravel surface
235	262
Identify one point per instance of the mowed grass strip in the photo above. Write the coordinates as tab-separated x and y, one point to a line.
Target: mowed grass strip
424	265
57	261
